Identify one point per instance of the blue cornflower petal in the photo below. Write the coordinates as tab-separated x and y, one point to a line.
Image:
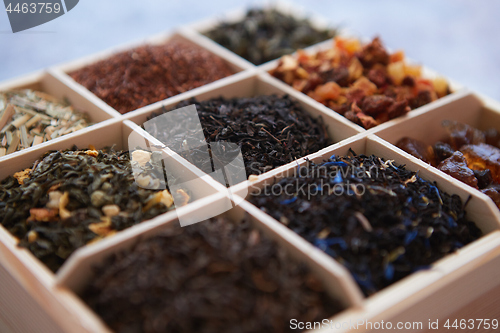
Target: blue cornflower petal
410	236
389	272
288	201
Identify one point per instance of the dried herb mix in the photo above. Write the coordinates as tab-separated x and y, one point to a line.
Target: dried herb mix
364	83
267	34
74	197
214	276
29	117
270	130
466	153
151	73
397	225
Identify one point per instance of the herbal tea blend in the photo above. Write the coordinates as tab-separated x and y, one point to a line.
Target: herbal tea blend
362	82
74	197
29	117
467	154
270	130
379	220
267	34
213	276
151	73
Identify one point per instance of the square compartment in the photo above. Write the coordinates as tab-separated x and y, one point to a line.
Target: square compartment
456	89
62	71
468	108
234	16
48	83
406	291
69	284
102	135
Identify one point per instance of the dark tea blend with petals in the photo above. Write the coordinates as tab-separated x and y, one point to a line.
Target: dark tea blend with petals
270	130
74	197
151	73
381	221
212	277
267	34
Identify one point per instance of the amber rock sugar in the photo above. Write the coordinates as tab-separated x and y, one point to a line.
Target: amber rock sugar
212	277
466	153
363	82
71	198
151	73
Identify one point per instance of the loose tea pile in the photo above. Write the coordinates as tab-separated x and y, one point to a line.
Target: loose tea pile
267	34
270	130
214	276
74	197
364	83
28	118
381	221
467	154
151	73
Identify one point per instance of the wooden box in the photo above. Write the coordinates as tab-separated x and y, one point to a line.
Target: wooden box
463	285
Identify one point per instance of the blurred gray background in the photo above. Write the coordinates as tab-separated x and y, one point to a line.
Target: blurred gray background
457	38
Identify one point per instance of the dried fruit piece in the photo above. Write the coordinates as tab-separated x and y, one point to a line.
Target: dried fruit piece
329	90
374	53
367	121
54	199
373	105
456	166
102	228
365	85
22	175
141	156
184	196
63	202
163	197
111	210
441	86
32	236
42	214
396	71
92	152
415	71
398	109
